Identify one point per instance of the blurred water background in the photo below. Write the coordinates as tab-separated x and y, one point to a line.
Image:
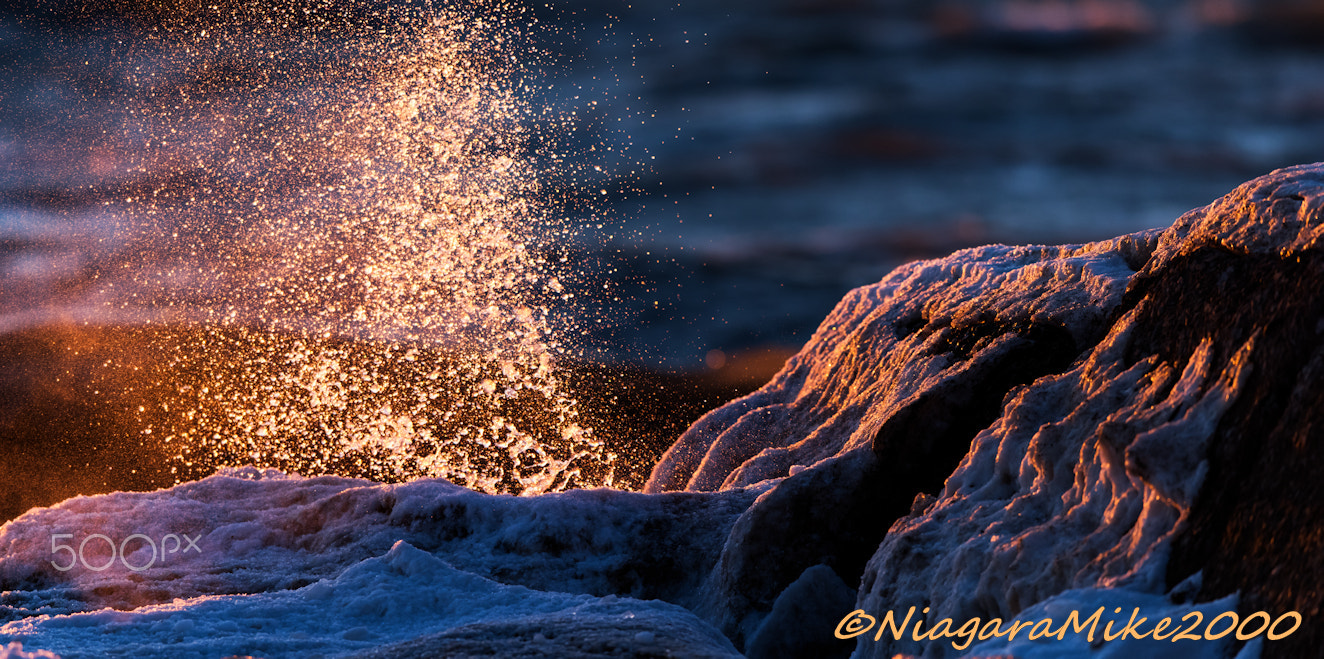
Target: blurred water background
776	153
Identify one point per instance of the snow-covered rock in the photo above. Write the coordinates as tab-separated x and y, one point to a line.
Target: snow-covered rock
1008	433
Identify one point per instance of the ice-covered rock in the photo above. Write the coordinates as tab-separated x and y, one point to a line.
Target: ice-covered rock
1012	423
403	600
882	404
256	562
1009	434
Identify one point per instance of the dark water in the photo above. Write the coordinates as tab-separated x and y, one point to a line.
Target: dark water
821	144
778	153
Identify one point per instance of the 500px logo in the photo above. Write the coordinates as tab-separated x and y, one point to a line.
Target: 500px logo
120	551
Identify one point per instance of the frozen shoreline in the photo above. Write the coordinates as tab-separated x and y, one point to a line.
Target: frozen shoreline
1008	432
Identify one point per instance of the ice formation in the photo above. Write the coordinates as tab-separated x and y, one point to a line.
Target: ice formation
265	564
1008	432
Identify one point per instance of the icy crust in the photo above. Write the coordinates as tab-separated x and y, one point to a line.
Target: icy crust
399	596
349	564
882	347
1276	214
1082	483
259	531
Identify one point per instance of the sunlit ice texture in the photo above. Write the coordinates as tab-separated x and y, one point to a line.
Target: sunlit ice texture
1015	431
340	220
1006	432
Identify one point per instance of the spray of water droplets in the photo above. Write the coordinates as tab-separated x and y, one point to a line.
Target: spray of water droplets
356	252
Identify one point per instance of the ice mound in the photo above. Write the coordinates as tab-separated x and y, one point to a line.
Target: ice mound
1007	433
385	599
980	433
271	565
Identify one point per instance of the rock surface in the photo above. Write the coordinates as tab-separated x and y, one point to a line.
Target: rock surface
1008	432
